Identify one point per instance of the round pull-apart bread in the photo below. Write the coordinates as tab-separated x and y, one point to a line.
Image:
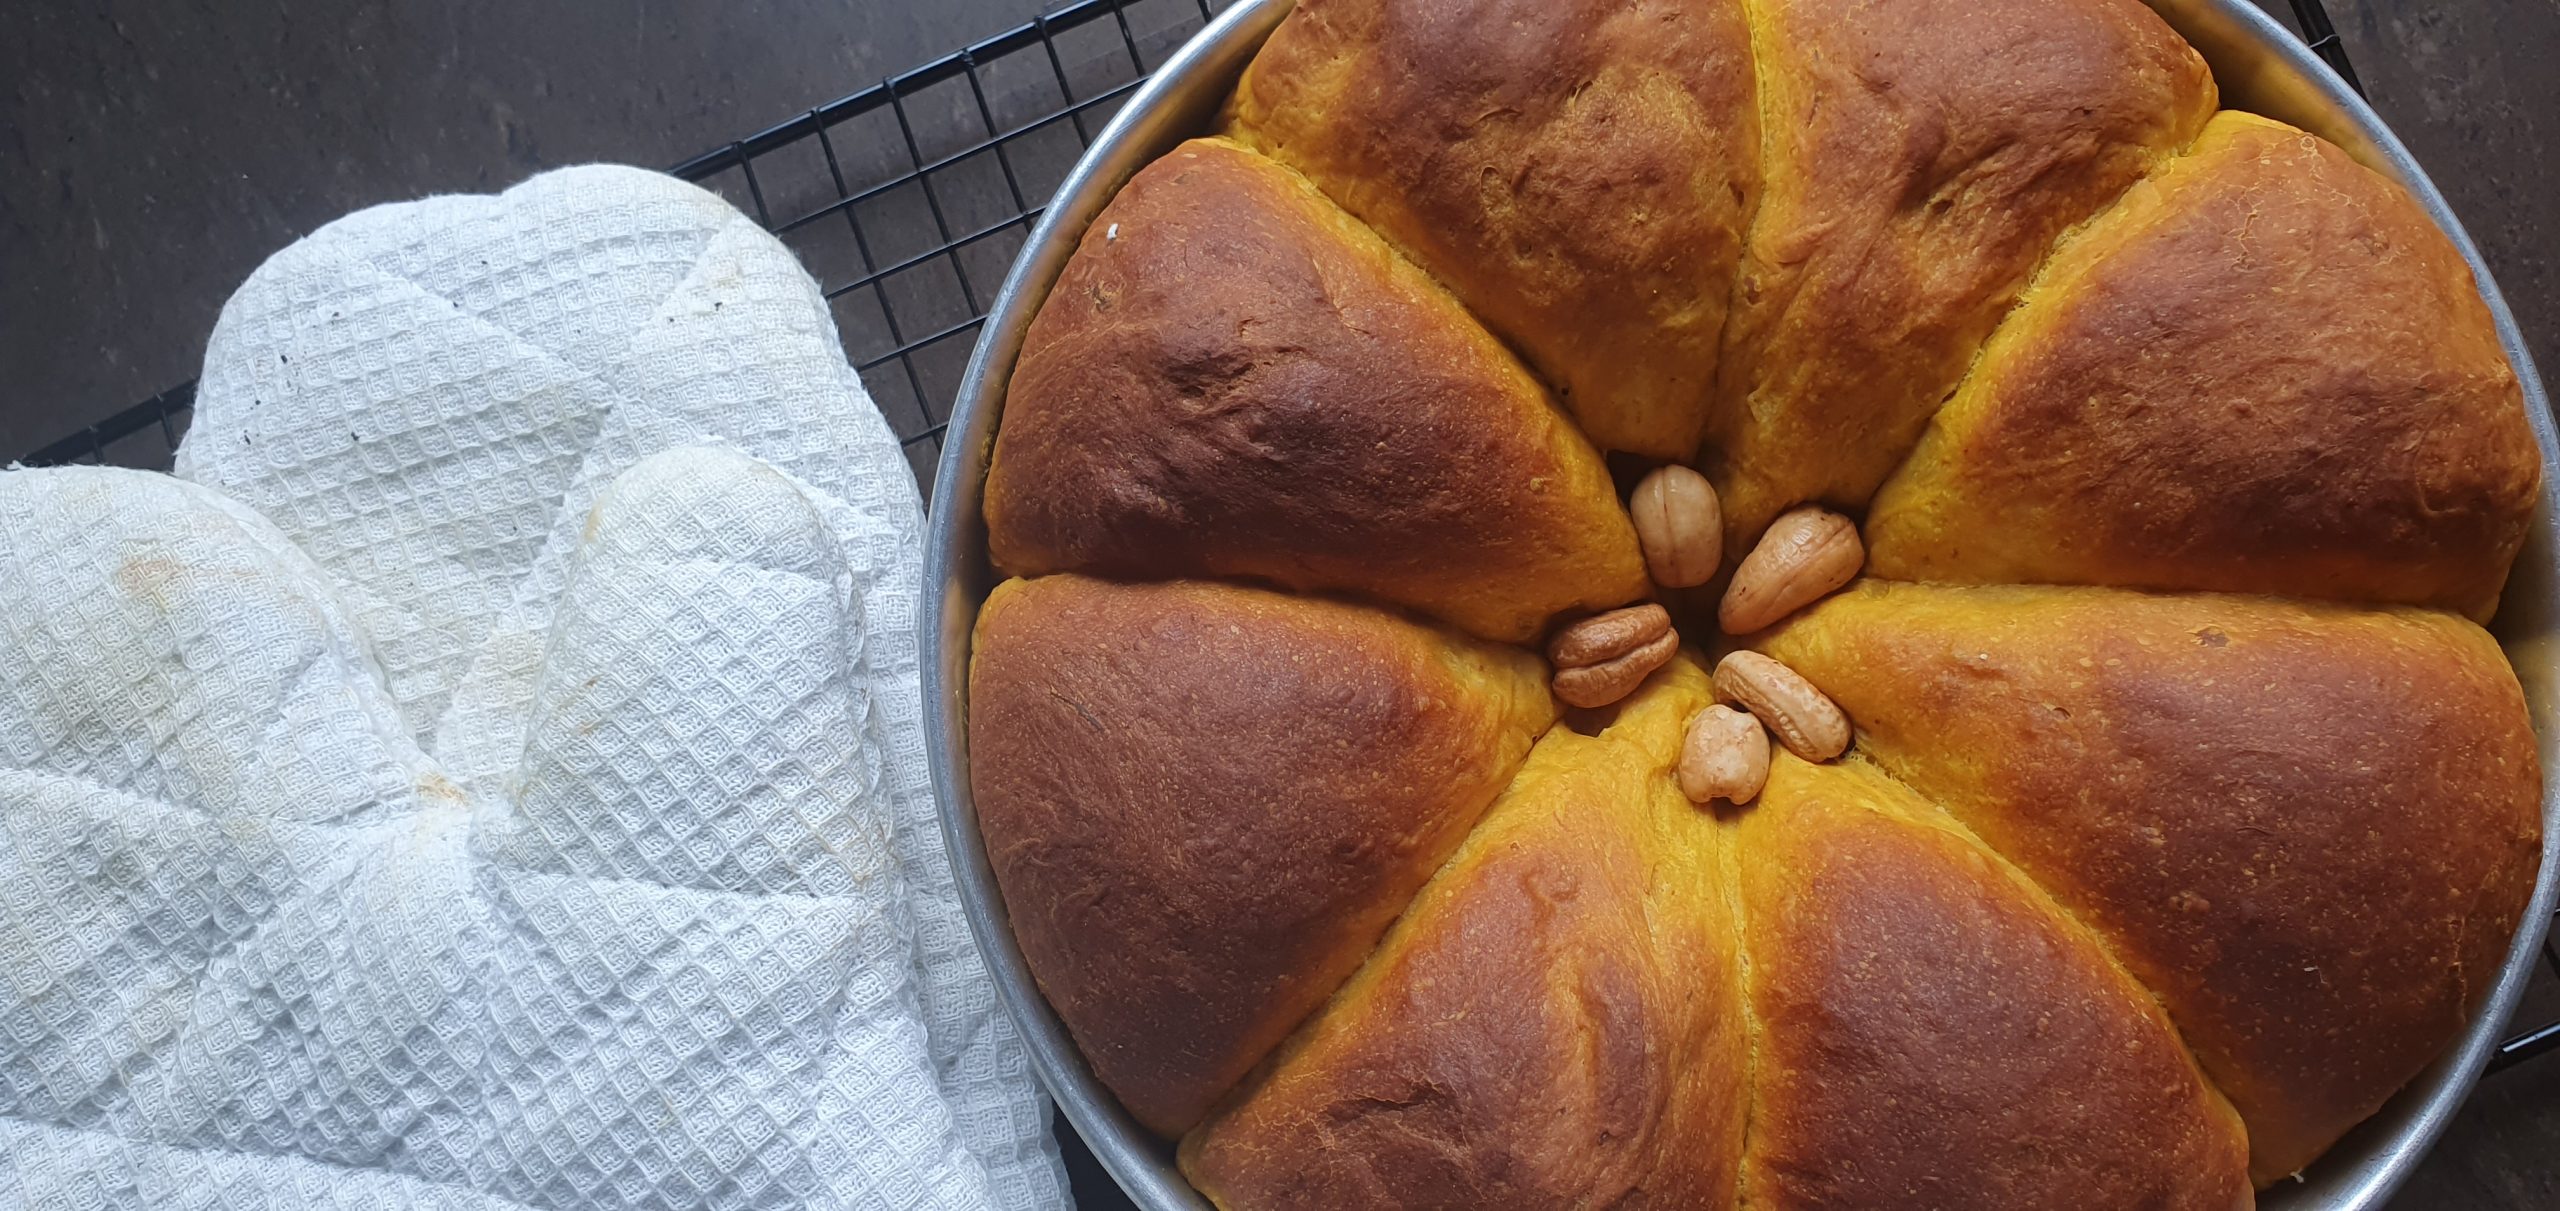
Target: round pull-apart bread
2190	810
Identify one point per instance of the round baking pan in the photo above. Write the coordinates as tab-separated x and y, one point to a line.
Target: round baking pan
2260	66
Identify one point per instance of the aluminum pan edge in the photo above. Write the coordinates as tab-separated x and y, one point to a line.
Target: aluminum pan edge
1176	102
2259	65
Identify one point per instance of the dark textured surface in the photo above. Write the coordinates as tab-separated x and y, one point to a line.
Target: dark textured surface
153	151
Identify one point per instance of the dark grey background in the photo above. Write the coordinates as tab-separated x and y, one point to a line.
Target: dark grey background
152	152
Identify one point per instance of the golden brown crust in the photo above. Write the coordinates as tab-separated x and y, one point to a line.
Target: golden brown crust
1234	378
2310	830
1204	804
2266	372
1554	1024
1922	156
2191	848
1933	1034
1578	172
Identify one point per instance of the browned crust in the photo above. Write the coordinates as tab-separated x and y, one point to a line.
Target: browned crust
1934	1034
1578	171
1211	800
1554	1024
1922	157
1234	378
1204	804
2271	373
2310	830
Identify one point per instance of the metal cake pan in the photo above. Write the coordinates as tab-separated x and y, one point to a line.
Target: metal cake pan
2260	66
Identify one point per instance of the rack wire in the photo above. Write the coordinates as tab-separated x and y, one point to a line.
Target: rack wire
909	199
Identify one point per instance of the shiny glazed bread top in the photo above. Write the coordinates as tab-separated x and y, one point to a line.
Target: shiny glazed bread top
2190	811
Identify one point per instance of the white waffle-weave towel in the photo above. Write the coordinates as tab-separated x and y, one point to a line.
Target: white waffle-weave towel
490	773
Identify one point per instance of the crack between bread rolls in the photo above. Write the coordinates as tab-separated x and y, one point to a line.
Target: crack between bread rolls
1755	40
2029	289
1946	820
1729	866
1251	142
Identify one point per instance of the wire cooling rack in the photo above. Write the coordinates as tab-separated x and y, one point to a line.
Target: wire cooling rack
908	200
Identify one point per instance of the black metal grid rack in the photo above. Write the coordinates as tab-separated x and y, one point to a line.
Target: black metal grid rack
909	199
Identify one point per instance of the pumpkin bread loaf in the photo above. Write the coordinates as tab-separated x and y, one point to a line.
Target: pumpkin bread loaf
2188	812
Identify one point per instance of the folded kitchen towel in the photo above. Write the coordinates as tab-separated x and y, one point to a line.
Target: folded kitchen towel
490	773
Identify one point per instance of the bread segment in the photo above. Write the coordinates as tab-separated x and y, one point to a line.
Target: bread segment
1921	158
2266	371
1205	803
2310	830
1935	1033
1578	171
1232	377
1555	1023
2122	899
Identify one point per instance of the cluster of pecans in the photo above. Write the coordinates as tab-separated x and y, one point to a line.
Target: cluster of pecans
1805	554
